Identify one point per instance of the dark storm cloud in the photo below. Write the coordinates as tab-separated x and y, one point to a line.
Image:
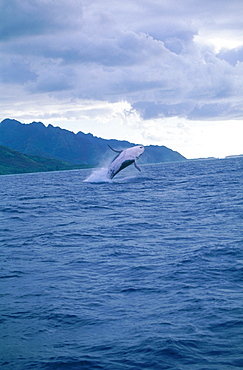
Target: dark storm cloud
143	52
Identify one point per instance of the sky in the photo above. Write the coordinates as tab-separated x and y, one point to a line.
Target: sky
153	72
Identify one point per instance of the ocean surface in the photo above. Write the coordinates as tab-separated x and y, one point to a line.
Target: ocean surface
143	272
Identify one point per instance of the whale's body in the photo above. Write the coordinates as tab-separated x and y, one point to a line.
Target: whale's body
124	159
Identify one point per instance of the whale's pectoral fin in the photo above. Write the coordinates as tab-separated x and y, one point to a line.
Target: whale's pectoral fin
136	166
114	150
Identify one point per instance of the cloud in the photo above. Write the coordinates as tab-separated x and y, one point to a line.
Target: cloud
33	17
16	71
233	56
152	54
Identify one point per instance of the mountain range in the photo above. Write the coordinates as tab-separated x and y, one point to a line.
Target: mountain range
74	149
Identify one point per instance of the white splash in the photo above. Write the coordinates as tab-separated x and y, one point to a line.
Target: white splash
98	176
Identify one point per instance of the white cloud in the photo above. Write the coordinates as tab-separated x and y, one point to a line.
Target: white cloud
161	59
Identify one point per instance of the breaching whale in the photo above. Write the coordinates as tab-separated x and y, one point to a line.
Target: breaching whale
124	159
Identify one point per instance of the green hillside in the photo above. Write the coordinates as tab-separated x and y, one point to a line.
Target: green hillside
12	162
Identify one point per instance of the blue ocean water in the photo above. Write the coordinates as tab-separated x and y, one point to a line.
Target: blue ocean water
143	272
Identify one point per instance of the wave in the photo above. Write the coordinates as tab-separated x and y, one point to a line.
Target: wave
144	271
